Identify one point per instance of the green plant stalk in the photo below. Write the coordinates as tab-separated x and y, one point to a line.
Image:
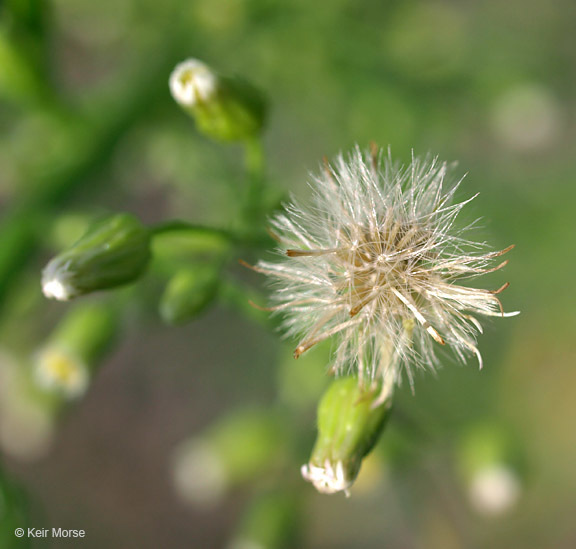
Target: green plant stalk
193	228
252	204
273	520
25	35
241	299
21	229
13	512
256	238
88	331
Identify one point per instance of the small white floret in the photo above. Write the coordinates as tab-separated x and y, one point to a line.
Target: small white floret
57	370
192	82
327	479
494	489
56	289
198	473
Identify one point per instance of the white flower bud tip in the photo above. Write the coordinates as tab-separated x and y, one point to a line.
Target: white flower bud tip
192	82
55	289
329	479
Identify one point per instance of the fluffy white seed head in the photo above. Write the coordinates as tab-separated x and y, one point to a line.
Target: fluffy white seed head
192	82
373	261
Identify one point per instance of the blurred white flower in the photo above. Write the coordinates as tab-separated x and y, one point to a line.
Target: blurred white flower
494	489
26	421
192	82
53	288
62	372
527	118
198	474
373	260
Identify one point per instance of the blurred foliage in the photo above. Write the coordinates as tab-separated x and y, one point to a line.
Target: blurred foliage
88	126
13	513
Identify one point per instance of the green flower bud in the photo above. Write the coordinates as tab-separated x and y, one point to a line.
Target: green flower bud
66	361
114	251
350	421
224	108
188	293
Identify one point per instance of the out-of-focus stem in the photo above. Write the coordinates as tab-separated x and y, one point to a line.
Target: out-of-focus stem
21	229
25	33
252	203
193	228
256	238
244	300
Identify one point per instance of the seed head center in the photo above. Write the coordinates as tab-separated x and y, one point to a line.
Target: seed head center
376	260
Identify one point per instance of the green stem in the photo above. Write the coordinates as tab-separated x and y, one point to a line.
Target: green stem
254	162
243	300
253	239
193	228
21	229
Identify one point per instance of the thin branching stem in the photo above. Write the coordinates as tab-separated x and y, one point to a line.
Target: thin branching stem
193	228
253	196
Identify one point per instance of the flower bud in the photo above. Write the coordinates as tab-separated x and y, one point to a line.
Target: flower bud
224	108
188	293
65	363
350	420
113	251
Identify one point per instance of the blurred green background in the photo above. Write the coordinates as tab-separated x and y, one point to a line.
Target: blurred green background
88	125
